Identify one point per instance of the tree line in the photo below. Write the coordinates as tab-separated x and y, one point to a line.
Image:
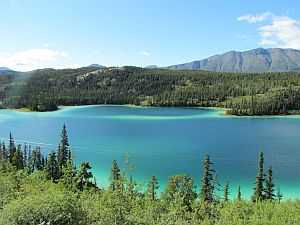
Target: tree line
178	202
241	93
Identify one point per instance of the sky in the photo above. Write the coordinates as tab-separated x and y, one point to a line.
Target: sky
74	33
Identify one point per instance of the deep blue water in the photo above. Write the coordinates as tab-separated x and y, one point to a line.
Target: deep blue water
169	141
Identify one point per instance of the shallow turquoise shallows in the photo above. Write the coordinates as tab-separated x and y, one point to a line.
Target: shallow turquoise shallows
169	141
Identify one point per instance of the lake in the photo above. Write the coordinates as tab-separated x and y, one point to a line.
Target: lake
168	141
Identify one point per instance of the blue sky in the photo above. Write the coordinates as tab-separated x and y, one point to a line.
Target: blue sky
72	33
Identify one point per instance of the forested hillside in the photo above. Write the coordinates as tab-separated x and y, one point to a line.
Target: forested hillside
240	93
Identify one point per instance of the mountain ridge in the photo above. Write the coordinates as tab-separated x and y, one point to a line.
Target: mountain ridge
255	60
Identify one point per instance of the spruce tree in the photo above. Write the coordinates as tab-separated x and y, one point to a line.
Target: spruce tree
37	159
207	188
270	185
63	149
114	176
17	160
152	187
239	196
84	176
11	148
70	173
226	192
279	195
258	194
51	167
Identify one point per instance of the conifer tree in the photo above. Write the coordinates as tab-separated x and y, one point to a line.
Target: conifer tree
279	195
152	187
11	148
63	148
226	192
17	160
70	173
258	194
270	185
37	159
207	188
115	176
25	154
84	176
239	196
4	152
51	167
131	185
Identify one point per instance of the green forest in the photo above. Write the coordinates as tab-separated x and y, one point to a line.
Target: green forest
39	189
276	93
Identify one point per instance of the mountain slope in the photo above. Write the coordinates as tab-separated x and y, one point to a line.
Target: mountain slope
256	60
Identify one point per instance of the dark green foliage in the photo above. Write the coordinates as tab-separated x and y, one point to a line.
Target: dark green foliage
11	148
52	168
84	176
37	159
207	188
258	194
63	148
18	160
279	195
226	192
239	195
270	185
115	176
242	93
152	187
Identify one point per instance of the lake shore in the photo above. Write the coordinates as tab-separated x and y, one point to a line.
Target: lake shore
222	110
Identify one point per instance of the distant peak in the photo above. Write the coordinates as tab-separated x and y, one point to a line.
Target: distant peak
96	65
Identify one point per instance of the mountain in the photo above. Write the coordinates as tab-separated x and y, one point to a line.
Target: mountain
256	60
96	65
5	69
151	67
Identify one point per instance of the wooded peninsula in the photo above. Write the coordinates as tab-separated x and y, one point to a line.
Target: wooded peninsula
276	93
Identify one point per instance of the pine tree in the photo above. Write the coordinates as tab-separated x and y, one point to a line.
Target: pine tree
11	148
239	196
152	187
25	154
70	174
37	159
207	188
226	192
131	185
17	160
84	176
258	194
279	195
270	185
51	167
63	148
114	176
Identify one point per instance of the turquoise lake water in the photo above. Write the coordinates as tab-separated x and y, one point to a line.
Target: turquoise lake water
169	141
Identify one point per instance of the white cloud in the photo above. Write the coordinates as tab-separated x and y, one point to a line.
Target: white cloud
279	31
255	18
30	59
144	53
96	52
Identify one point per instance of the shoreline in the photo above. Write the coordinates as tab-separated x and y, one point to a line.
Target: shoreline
222	114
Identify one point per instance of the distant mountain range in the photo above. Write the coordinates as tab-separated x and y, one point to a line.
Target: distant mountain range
256	60
96	65
252	61
5	69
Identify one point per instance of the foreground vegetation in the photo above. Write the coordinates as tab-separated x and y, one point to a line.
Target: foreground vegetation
36	189
241	93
